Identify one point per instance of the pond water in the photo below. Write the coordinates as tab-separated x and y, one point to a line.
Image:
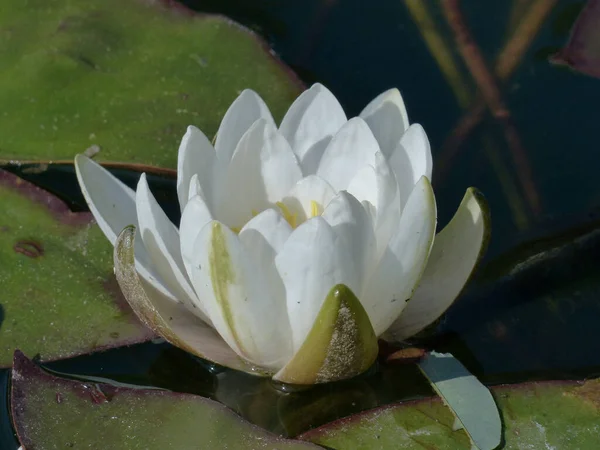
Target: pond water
532	312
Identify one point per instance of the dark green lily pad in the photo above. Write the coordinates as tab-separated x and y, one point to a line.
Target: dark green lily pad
59	295
125	75
542	415
56	413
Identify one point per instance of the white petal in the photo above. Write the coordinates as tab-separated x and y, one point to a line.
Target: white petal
113	205
166	318
263	169
271	227
196	157
377	185
195	216
411	159
456	250
386	116
352	148
315	115
161	239
243	112
352	223
238	297
307	190
403	262
195	188
313	260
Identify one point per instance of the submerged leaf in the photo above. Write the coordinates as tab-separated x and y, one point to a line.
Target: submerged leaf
53	412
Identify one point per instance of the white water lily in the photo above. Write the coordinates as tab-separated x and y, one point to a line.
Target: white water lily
299	245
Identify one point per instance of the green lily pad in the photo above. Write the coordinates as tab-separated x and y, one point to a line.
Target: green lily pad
543	415
59	295
51	412
125	75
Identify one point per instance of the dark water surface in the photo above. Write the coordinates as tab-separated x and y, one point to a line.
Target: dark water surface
533	310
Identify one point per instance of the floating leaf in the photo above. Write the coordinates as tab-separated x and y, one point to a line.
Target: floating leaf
126	76
582	52
469	400
544	415
51	412
59	295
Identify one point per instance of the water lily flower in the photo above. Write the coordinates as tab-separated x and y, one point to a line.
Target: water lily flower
299	245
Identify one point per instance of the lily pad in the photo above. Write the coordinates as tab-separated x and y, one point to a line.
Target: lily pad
127	76
51	412
59	295
542	415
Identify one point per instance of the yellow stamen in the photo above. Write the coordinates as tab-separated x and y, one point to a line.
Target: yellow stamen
314	209
292	218
236	230
254	213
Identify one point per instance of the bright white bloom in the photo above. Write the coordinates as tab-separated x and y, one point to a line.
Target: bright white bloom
298	246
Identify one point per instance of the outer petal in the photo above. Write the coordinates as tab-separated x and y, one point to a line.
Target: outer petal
113	205
243	112
166	318
263	237
263	169
314	117
455	253
412	159
377	185
340	344
352	148
161	239
238	297
311	262
196	157
386	116
352	223
403	263
195	216
307	190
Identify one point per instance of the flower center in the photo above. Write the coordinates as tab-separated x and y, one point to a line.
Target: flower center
290	216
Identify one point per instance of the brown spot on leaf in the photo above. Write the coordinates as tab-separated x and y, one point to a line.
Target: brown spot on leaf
96	394
29	248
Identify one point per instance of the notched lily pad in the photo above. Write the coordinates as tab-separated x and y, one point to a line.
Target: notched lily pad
59	295
51	412
123	76
557	414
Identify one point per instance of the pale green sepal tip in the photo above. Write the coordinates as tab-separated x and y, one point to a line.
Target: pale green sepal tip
470	401
341	344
